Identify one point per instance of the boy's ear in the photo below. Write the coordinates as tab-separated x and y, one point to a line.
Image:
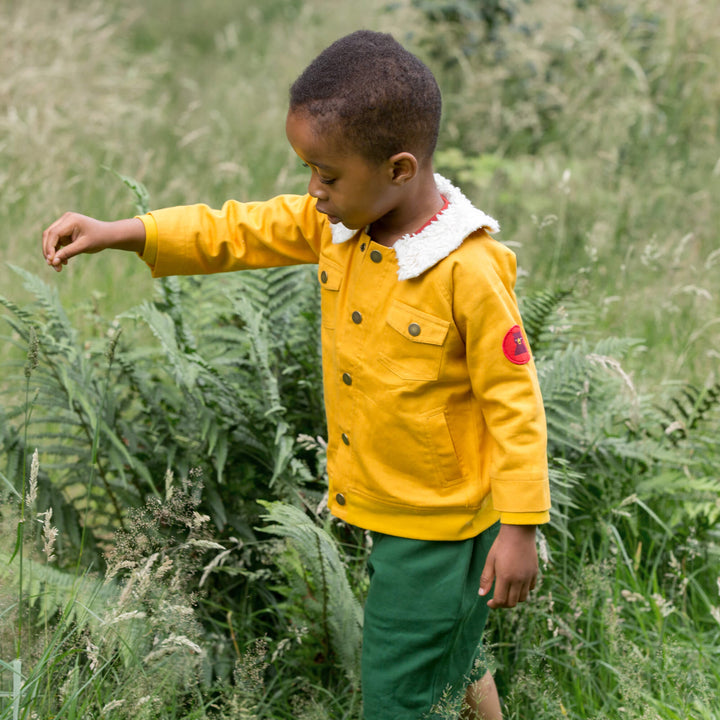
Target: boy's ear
403	166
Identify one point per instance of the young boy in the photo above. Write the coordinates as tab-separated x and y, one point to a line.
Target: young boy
436	429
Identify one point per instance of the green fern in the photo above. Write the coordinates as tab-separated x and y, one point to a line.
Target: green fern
688	408
55	593
276	291
66	385
584	387
539	311
138	190
322	567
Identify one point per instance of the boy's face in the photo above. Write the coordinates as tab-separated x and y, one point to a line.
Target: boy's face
348	187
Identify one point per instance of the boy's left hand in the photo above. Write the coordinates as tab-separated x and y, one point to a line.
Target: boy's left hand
512	564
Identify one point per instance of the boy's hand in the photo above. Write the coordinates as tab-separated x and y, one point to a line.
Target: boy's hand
73	234
512	563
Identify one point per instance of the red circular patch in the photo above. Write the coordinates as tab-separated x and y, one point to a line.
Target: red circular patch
514	346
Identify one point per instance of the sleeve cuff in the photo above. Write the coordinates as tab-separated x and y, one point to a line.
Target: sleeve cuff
525	518
149	254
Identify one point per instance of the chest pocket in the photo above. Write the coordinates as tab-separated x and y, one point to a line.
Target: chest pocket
412	343
330	277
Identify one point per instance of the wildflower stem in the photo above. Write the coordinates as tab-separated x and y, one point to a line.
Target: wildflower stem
110	355
30	365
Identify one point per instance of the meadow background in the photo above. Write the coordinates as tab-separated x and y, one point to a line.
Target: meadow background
165	552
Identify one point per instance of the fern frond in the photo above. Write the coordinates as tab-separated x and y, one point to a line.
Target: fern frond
563	482
538	309
138	190
54	592
276	291
172	302
321	560
689	408
27	319
257	332
590	400
57	324
185	371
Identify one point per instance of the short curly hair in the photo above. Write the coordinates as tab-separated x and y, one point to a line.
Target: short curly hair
382	98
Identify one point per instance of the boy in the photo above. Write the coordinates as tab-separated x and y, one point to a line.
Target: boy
436	429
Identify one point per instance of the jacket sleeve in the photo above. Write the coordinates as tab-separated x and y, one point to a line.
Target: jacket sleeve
504	381
196	240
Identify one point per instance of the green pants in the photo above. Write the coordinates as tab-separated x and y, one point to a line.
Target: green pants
424	622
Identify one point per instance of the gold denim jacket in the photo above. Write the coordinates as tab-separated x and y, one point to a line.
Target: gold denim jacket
436	427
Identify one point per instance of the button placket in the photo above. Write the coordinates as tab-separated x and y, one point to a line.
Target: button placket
372	267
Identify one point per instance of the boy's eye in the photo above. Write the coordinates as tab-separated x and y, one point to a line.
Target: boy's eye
324	181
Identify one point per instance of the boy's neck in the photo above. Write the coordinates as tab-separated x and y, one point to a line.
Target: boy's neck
420	203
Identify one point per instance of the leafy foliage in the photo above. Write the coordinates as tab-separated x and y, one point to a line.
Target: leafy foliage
598	126
224	375
487	13
689	408
208	393
323	574
631	555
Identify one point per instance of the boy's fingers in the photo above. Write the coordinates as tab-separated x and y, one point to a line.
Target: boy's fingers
507	594
62	240
515	595
488	576
510	594
51	238
499	598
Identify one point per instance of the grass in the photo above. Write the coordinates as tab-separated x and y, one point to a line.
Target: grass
590	130
591	135
603	167
188	100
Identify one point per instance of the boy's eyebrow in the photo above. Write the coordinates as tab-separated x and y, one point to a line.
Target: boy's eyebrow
319	165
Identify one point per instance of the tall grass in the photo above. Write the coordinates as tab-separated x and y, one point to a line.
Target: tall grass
589	129
188	99
595	125
596	132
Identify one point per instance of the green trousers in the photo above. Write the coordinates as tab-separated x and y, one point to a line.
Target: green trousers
424	621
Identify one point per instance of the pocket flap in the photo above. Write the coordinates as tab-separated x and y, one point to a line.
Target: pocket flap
416	325
330	274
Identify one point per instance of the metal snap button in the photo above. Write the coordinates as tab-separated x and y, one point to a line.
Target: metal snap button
340	498
376	256
345	439
414	329
356	317
347	379
323	277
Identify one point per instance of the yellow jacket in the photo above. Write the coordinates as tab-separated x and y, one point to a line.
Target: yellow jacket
436	426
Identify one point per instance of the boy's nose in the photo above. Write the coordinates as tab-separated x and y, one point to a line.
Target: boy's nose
316	189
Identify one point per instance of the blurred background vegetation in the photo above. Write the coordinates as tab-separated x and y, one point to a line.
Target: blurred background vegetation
589	129
163	411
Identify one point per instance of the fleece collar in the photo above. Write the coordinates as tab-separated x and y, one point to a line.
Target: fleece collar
418	252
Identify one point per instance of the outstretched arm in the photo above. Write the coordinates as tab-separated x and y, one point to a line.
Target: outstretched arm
73	234
512	564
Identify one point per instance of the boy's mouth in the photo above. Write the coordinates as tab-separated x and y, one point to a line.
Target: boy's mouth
334	219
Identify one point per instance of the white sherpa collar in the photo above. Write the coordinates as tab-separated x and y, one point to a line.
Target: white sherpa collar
421	251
